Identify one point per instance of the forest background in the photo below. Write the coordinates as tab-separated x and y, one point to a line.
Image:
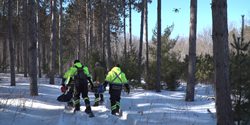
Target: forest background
94	31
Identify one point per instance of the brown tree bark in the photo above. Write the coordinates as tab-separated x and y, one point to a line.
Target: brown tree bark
192	51
12	58
38	40
124	30
146	37
103	31
32	50
141	42
4	36
18	41
25	50
130	25
109	66
60	40
158	84
53	41
223	101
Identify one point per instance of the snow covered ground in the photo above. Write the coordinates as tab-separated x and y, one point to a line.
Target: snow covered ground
140	107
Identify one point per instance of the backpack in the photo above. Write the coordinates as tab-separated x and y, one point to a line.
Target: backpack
80	73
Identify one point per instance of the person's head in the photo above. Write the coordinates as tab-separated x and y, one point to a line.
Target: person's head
97	64
117	65
76	61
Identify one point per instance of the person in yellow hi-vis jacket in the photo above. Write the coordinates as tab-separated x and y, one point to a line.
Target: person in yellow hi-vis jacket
116	78
70	83
80	74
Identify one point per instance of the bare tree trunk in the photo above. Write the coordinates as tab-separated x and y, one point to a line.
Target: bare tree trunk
158	82
141	41
18	36
192	51
103	31
78	27
60	40
109	63
32	50
146	37
53	41
130	26
25	56
43	46
4	36
90	27
12	60
124	32
38	40
94	41
223	101
87	27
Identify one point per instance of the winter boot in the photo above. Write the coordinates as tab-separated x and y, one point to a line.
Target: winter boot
96	104
70	104
75	110
88	109
113	112
77	107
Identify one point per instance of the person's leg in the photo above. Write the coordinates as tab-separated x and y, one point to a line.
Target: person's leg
118	98
86	99
96	99
113	104
102	97
77	99
70	92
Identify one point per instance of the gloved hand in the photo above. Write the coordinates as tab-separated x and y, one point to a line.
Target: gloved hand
91	88
127	91
63	89
104	87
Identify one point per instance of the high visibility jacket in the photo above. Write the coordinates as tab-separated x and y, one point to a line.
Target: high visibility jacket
116	78
66	74
73	72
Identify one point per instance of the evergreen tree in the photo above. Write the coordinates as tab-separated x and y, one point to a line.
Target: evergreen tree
204	69
170	60
239	78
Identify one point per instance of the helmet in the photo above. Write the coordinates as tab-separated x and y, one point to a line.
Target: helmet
76	61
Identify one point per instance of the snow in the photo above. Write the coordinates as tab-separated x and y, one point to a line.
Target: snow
140	107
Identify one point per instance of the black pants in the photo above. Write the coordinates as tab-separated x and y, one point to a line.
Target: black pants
71	90
97	95
81	87
115	102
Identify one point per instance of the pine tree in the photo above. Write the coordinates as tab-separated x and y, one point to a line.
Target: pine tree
239	78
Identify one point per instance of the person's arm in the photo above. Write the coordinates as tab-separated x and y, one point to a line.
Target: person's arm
125	81
63	80
90	80
106	81
94	74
